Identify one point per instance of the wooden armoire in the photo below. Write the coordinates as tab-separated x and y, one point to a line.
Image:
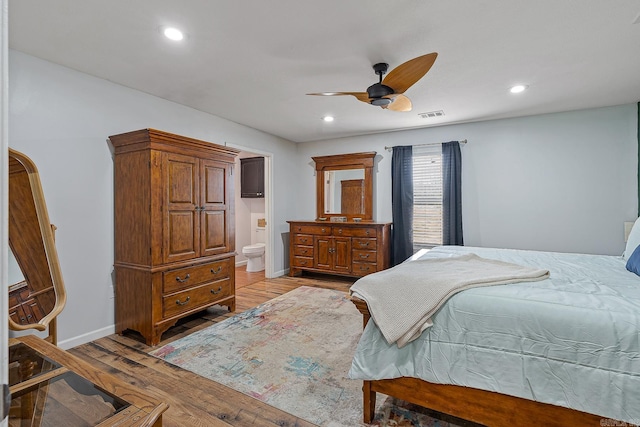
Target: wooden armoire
174	229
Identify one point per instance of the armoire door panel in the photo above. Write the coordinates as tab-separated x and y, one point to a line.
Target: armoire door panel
214	234
182	236
182	180
214	183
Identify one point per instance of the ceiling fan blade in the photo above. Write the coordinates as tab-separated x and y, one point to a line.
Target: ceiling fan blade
362	96
400	103
405	75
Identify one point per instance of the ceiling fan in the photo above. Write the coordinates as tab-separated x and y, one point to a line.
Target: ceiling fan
388	92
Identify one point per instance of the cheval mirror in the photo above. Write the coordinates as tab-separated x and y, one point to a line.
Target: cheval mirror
344	186
35	301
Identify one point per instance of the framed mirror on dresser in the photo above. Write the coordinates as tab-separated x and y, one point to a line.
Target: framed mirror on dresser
344	239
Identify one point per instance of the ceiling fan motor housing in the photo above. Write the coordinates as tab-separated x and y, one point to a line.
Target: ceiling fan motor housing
379	90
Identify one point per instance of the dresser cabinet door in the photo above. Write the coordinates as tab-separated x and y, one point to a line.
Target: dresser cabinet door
333	253
181	224
342	254
322	252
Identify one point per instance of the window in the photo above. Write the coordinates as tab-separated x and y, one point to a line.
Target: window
427	196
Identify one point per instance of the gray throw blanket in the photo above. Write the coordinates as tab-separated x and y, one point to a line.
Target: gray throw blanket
402	299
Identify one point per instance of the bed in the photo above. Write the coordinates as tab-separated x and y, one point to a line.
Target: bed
564	350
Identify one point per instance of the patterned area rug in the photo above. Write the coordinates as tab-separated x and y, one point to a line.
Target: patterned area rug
292	352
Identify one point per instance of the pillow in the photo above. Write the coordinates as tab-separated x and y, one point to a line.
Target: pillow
633	264
633	241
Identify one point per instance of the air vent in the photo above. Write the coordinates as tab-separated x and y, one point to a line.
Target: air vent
432	114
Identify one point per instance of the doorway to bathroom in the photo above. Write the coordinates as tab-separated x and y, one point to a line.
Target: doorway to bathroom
253	208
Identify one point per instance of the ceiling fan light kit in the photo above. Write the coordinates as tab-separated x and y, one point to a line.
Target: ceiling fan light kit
388	92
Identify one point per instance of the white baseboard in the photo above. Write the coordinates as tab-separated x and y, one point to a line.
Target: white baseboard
85	338
241	263
280	273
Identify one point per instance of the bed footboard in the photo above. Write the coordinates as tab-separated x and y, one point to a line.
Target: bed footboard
479	406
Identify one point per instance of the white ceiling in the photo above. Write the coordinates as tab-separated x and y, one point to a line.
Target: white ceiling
253	61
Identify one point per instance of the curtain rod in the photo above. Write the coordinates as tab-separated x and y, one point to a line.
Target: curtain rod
464	141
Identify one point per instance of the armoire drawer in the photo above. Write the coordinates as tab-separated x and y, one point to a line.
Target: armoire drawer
187	277
192	298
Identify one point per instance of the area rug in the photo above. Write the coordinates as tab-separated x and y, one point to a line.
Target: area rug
292	352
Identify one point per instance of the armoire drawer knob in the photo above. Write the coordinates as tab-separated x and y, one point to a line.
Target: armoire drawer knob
178	302
183	280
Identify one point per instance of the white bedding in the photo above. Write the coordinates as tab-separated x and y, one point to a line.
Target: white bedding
571	340
426	285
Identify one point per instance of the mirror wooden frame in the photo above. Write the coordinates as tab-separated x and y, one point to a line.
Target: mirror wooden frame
343	162
30	233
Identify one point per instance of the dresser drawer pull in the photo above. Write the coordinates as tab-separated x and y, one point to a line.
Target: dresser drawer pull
303	262
364	245
213	291
217	270
364	256
304	240
178	302
323	230
340	231
363	268
367	232
304	251
183	280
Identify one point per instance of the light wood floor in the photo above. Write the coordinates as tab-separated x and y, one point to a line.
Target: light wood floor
194	400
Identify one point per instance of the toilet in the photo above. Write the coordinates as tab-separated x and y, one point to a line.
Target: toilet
255	251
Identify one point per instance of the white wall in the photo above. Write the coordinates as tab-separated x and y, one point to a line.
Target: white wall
61	119
561	182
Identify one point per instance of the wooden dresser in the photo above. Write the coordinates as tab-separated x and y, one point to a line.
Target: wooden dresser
346	248
174	229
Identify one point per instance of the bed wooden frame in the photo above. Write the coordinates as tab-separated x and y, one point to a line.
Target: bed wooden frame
480	406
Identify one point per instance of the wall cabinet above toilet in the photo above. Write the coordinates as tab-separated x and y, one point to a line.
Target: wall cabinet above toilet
252	177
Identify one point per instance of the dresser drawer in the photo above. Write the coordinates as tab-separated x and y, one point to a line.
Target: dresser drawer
303	239
354	231
182	278
311	229
189	299
364	256
301	261
366	244
303	250
363	268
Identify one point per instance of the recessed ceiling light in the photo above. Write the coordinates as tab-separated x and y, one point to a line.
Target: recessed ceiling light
173	34
328	118
518	88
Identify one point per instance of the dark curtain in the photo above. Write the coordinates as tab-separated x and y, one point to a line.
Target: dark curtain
451	194
402	203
